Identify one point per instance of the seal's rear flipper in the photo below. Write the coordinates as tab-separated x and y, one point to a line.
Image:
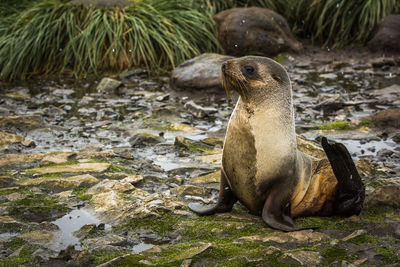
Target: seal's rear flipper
226	200
275	212
350	195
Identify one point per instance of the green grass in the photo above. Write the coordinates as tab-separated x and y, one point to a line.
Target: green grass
53	37
335	125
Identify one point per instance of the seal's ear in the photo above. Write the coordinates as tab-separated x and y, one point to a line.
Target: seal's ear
276	77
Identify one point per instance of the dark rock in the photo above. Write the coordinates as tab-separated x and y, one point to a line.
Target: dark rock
384	153
386	119
254	30
202	72
145	138
385	195
387	38
396	138
384	61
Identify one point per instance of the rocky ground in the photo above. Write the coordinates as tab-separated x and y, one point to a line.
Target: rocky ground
100	173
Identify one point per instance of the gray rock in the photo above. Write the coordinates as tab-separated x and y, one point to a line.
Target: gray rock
108	85
388	94
385	195
198	73
254	30
199	111
303	258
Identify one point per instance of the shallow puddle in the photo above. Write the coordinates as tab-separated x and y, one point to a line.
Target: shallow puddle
72	222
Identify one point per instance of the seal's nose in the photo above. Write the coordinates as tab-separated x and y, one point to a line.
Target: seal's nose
223	66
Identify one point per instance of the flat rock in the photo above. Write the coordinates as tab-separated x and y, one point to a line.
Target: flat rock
188	190
110	239
388	94
385	195
303	258
109	201
201	72
111	185
193	251
19	123
199	111
56	158
256	31
12	159
79	167
108	85
40	237
7	139
132	179
298	236
213	177
61	184
181	127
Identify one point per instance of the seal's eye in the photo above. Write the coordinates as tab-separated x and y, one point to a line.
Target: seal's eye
249	69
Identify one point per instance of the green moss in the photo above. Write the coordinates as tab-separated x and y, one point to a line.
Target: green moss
363	239
119	168
335	125
14	244
25	256
376	214
390	256
161	225
60	164
35	205
81	194
366	123
334	254
326	222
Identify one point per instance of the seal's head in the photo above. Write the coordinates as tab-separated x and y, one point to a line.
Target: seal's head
255	78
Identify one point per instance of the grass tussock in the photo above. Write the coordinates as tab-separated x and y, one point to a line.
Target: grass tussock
53	37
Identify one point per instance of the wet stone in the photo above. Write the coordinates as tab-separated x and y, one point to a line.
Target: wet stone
188	190
80	167
194	251
213	177
199	111
298	236
108	85
303	258
385	195
61	184
8	138
111	185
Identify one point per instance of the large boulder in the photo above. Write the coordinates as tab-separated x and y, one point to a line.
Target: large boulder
256	31
201	72
387	119
387	38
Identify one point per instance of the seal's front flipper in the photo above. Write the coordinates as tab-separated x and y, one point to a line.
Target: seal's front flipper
226	200
276	214
350	195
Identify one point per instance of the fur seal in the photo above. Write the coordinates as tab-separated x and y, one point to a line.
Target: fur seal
261	166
